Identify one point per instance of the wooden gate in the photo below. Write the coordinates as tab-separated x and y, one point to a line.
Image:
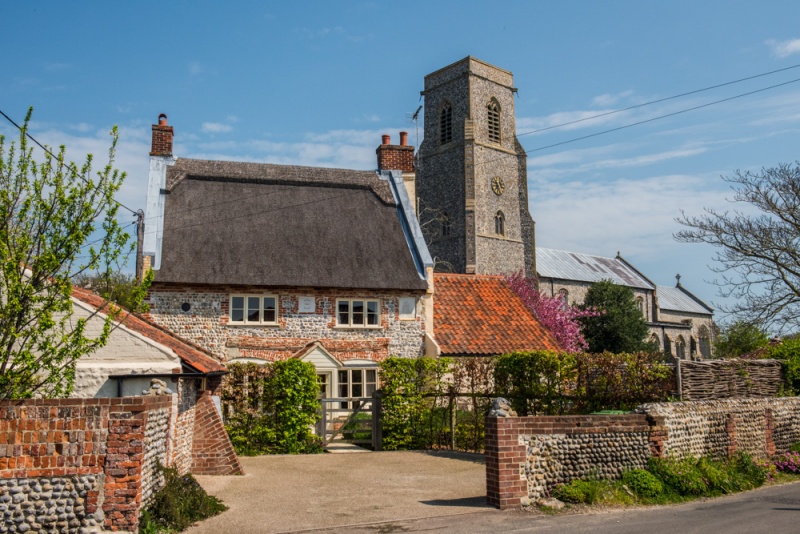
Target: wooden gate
354	420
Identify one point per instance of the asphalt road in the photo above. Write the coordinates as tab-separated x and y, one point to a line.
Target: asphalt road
774	510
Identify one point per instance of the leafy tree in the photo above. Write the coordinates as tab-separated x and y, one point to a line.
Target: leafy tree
562	320
740	337
759	252
117	287
621	327
49	212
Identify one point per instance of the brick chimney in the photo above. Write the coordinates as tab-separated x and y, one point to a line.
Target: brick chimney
395	157
162	138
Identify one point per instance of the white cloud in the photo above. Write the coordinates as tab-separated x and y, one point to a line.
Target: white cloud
216	127
608	99
784	49
57	67
195	68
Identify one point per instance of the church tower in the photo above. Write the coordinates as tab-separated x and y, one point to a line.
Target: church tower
472	188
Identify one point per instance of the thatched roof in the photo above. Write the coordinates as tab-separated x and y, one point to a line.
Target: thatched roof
278	225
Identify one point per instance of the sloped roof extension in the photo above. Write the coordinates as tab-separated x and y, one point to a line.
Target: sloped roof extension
192	355
564	265
479	315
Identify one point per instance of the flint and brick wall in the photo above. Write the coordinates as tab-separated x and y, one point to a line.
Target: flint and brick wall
82	465
206	324
527	456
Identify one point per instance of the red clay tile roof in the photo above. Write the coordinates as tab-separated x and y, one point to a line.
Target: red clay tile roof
190	354
480	315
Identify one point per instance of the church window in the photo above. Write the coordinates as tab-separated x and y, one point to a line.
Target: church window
445	224
253	309
680	348
705	342
500	223
640	305
667	345
358	313
654	341
493	110
563	296
446	124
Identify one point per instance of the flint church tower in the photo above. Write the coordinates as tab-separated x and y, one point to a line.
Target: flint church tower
472	188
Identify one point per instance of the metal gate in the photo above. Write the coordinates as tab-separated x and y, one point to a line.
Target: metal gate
354	420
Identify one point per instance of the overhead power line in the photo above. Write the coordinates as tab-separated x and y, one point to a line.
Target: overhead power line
636	106
664	116
47	150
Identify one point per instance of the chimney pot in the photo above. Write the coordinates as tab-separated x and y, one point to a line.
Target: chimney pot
162	119
403	138
386	139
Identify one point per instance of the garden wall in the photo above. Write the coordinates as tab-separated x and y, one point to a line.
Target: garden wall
71	465
725	379
527	456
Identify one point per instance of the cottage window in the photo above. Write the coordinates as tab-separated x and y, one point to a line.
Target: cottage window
493	112
355	385
446	124
500	223
357	313
253	309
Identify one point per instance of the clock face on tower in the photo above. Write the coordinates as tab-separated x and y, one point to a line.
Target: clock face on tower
498	186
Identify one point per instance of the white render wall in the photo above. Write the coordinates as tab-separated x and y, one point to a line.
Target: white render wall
126	352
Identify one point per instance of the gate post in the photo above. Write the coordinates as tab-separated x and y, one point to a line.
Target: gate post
377	430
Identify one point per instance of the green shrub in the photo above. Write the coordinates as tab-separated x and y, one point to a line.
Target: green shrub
788	352
272	408
643	483
794	447
581	491
681	476
752	474
536	383
181	502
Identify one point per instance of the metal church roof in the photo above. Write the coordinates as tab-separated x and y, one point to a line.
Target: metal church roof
679	299
551	263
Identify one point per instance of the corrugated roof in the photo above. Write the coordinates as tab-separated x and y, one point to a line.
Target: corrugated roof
190	354
479	315
282	225
551	263
679	299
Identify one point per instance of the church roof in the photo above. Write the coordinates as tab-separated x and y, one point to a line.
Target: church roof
563	265
679	299
281	225
190	354
479	315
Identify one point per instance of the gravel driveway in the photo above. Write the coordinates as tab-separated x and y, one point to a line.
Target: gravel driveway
295	493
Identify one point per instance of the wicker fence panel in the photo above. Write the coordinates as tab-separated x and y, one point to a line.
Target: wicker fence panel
726	379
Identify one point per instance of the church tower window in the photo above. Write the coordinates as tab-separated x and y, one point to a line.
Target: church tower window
500	223
445	224
446	124
493	110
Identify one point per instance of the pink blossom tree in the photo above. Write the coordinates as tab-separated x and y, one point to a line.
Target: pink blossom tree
556	315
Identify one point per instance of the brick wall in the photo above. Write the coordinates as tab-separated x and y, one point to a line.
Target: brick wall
212	452
395	158
527	456
74	464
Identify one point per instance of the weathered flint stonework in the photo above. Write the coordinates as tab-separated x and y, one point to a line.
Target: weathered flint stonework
455	174
527	456
206	323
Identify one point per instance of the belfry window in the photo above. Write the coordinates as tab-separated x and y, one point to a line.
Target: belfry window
500	223
493	110
445	224
446	124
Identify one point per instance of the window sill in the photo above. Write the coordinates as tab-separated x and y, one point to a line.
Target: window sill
239	325
348	327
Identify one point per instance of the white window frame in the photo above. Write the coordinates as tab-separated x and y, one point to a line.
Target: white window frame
247	300
368	387
363	324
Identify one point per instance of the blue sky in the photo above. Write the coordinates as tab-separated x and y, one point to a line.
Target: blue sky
317	83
